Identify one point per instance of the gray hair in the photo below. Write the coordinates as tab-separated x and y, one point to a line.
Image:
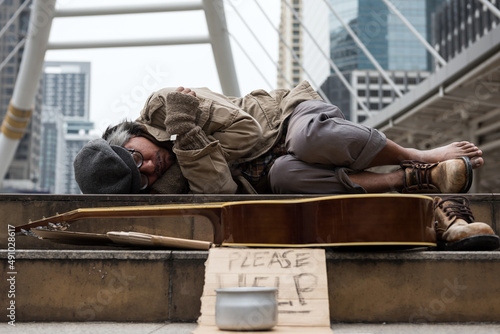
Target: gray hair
120	134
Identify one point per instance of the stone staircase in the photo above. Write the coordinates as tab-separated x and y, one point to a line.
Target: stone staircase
69	283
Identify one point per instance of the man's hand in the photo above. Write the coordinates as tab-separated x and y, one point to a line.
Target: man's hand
180	119
185	91
181	108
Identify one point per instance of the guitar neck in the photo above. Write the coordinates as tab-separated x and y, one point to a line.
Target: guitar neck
210	211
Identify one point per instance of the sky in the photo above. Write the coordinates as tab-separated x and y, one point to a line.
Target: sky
122	78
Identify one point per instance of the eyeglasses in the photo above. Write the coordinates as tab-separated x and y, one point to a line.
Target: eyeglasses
139	160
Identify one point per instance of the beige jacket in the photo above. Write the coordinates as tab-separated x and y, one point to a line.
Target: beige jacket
240	130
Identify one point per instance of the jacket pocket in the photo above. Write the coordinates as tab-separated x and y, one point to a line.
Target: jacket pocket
219	116
263	107
153	112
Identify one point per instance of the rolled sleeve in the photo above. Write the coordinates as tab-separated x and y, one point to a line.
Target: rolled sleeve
237	131
206	170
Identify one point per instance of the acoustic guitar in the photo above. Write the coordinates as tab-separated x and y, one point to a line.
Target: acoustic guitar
344	220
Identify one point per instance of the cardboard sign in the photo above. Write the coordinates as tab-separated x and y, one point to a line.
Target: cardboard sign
299	274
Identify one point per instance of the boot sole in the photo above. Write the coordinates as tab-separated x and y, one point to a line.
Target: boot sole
480	242
468	174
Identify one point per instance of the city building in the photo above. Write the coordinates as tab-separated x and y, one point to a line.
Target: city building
386	37
371	88
52	143
318	32
459	23
301	57
389	41
65	122
23	173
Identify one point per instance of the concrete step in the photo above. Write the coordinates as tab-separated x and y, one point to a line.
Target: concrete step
159	286
20	209
69	283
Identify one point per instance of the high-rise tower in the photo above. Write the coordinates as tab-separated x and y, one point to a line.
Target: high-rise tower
389	41
66	125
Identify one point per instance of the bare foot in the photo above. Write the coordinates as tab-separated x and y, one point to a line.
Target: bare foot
453	151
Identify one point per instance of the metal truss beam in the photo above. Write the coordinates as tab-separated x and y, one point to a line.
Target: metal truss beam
37	43
221	48
137	9
18	115
128	43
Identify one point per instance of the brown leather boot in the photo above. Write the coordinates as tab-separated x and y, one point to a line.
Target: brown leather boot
456	229
450	176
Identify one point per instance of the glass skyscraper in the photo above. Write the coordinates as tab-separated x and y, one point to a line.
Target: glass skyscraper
383	33
388	40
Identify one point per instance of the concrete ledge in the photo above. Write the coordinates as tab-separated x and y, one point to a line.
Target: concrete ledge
140	255
165	255
418	287
413	255
20	209
157	286
57	282
187	328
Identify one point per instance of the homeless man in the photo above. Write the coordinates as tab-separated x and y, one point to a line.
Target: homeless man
283	141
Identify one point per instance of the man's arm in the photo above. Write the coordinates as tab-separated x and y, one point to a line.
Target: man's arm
227	134
180	120
201	159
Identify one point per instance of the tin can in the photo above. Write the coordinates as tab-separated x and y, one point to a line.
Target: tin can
246	308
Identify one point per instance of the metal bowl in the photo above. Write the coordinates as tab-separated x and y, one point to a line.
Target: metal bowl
246	308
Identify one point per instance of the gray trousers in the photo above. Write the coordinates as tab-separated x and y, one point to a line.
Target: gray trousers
323	149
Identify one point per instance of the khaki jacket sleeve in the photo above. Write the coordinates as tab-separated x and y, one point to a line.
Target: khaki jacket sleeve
206	170
236	130
232	134
238	137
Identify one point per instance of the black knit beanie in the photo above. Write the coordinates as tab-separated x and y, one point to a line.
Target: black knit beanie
101	168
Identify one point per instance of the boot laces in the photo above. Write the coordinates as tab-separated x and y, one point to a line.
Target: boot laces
457	209
421	172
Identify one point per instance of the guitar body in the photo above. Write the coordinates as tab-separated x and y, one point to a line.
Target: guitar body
351	220
348	220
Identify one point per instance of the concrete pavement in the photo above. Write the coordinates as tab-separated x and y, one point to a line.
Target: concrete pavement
186	328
